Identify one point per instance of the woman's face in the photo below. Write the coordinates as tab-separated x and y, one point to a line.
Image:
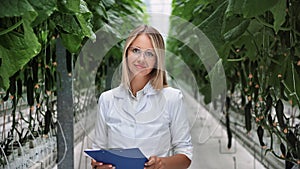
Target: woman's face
141	57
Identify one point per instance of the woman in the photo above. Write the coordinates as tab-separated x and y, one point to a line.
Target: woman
143	111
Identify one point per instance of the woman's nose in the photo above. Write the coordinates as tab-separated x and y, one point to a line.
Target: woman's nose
141	57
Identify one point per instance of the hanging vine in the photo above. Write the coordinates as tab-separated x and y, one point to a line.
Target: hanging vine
258	42
28	78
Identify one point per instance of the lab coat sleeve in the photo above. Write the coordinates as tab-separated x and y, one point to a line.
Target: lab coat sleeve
100	133
180	129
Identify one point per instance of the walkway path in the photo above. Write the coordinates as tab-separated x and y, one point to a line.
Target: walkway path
209	140
210	143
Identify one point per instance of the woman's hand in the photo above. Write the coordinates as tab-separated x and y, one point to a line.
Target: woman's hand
155	163
99	165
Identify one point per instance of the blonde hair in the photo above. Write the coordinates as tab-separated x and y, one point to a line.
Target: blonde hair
158	75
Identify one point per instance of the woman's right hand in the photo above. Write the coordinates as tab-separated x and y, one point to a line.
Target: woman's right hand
100	165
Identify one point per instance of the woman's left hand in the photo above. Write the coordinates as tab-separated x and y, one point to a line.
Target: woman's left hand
155	163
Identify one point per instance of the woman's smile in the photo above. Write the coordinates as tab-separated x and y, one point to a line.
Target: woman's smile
139	66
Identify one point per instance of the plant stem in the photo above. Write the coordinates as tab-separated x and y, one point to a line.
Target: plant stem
269	25
235	60
11	28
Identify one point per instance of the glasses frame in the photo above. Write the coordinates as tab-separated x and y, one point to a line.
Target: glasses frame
142	52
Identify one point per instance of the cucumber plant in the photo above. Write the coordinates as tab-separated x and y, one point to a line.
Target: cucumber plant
28	33
258	43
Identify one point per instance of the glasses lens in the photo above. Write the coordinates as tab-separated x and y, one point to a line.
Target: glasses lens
137	51
149	54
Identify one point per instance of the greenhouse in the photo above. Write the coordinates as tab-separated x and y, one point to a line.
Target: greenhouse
150	84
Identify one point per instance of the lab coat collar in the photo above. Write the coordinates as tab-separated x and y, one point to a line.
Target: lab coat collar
121	91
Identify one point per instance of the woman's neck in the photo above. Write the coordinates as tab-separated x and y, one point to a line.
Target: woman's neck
138	83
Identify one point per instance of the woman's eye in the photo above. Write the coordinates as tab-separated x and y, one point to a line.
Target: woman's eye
136	50
149	54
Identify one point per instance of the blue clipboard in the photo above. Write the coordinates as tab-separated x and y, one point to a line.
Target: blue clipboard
120	158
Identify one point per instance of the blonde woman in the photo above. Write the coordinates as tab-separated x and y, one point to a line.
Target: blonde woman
143	111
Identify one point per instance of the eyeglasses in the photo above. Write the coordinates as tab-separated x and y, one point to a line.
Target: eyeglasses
148	54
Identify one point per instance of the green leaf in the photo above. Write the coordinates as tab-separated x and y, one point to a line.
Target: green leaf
44	8
279	14
84	9
251	40
188	14
84	18
255	26
249	45
67	23
17	49
9	8
234	7
71	42
68	6
73	5
108	3
100	9
86	27
212	26
253	8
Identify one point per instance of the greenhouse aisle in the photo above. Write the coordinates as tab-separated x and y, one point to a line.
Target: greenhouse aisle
210	147
56	58
210	142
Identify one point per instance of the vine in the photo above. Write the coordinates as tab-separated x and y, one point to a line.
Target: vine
259	47
28	79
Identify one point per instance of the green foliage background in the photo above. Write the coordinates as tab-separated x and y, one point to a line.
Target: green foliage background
258	43
28	33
